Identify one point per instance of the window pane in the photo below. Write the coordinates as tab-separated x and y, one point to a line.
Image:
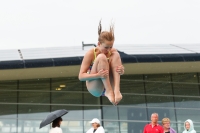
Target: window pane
158	84
157	77
160	101
91	112
8	85
90	99
34	97
67	84
110	112
185	77
132	84
158	88
184	114
132	113
33	111
8	96
8	111
187	102
8	91
185	84
35	84
132	127
62	97
186	89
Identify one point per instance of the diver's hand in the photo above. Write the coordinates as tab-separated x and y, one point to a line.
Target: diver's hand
120	69
103	73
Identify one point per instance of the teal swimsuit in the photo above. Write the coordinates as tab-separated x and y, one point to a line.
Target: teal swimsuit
90	68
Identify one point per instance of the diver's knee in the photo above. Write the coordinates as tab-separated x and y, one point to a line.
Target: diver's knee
101	56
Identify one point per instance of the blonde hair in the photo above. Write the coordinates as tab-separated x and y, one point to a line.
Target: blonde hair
105	35
164	120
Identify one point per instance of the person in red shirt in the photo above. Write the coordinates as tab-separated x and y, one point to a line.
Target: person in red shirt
153	127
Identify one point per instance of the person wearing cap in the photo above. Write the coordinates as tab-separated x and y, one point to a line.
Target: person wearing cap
96	127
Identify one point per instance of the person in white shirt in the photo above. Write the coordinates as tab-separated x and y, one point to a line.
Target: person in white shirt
96	127
56	126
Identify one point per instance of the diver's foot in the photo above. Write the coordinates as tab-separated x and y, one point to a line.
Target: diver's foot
118	97
110	95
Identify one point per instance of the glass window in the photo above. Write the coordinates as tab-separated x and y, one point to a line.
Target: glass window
91	112
8	96
185	84
186	89
8	85
158	88
64	97
132	84
158	84
184	114
160	101
66	84
132	127
185	77
90	99
8	91
8	111
187	102
35	84
33	111
34	91
132	113
34	97
110	112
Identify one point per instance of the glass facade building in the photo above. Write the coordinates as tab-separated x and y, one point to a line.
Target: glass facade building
25	103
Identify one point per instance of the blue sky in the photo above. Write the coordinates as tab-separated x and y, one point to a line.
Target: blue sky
52	23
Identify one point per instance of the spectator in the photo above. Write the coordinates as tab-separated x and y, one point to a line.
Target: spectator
56	126
189	127
96	127
153	127
166	126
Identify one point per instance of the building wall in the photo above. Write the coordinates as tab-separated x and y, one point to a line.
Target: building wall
25	103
